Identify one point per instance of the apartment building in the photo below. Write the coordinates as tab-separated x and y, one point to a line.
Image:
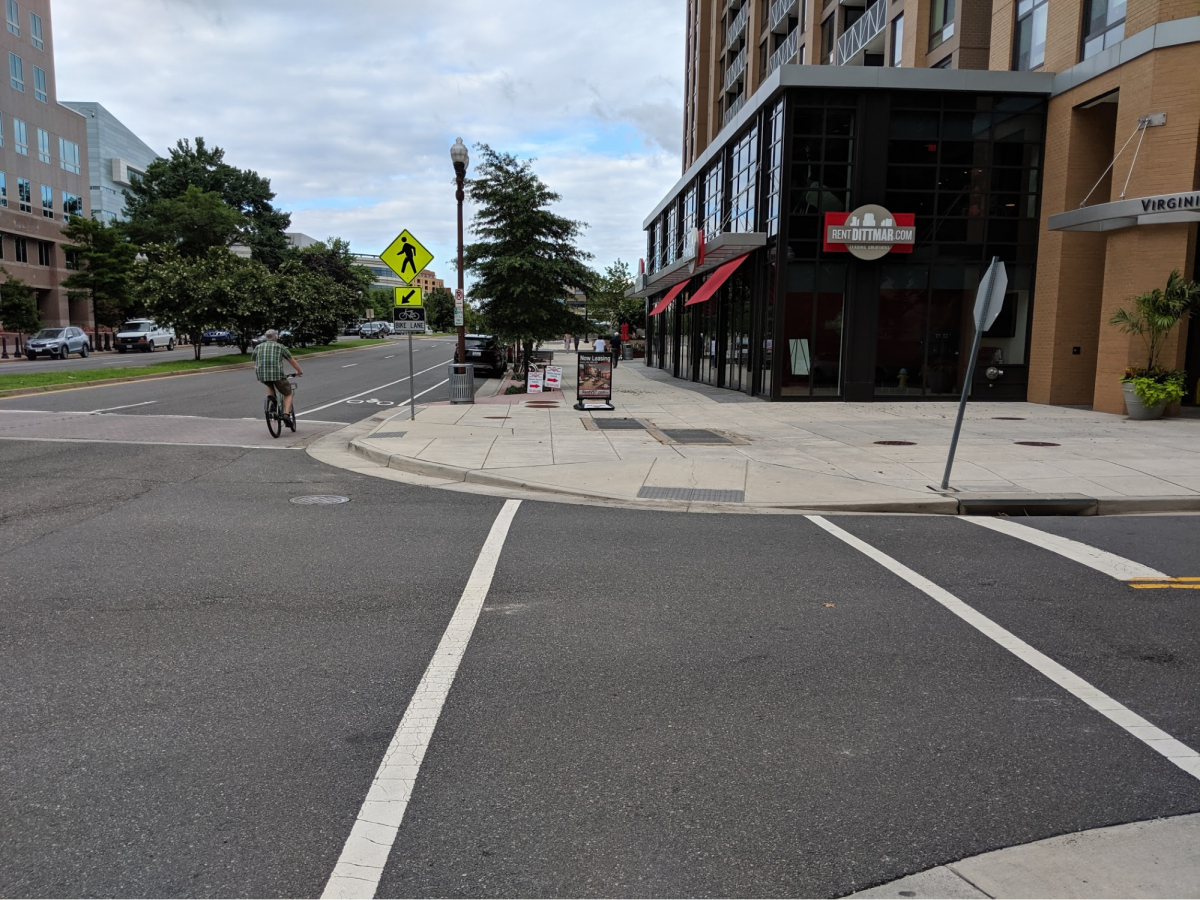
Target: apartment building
43	163
1058	135
117	158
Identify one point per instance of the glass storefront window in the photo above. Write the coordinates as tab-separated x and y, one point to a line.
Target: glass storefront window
743	182
812	322
776	169
900	338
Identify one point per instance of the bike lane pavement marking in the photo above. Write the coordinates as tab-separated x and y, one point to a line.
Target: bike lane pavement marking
1153	737
1101	560
368	391
360	866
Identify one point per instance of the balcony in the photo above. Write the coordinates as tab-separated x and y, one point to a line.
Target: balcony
734	108
737	26
780	10
864	35
736	70
786	51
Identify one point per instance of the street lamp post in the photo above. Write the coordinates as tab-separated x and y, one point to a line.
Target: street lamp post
461	159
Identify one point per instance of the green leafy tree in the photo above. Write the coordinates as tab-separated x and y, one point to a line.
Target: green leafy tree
262	227
607	301
182	291
381	301
313	304
244	293
439	309
526	256
18	305
104	257
334	260
192	223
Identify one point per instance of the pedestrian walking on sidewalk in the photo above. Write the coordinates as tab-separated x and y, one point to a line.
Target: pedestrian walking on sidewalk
576	343
616	349
599	345
566	342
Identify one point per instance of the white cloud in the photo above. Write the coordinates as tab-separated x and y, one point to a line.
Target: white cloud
350	108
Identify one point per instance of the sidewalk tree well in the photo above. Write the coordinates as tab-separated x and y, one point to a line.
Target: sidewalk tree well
103	258
262	227
18	305
525	257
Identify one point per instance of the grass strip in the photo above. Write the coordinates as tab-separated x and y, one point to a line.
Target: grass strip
83	376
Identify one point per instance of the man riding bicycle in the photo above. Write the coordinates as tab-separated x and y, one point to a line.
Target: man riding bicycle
268	368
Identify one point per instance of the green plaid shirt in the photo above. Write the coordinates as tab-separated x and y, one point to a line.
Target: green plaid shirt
268	361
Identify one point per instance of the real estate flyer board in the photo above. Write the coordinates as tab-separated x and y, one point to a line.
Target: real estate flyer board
594	387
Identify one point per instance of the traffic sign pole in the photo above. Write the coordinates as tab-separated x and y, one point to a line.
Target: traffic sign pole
412	384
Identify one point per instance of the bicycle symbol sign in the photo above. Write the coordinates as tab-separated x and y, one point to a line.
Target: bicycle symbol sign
410	315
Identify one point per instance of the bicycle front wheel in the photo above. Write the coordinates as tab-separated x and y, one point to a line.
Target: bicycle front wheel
274	423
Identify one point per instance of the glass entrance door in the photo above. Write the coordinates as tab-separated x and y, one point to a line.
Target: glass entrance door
812	321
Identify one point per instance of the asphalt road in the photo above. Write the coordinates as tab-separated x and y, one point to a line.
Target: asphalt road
199	679
342	387
20	365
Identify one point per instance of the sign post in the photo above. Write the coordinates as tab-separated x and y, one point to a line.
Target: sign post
988	303
406	256
593	388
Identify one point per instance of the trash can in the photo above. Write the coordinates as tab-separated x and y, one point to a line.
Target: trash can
626	352
462	382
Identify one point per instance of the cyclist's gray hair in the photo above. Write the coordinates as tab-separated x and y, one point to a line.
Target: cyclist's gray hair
272	334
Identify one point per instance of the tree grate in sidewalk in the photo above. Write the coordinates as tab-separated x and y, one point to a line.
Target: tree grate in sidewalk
710	495
389	434
618	424
695	436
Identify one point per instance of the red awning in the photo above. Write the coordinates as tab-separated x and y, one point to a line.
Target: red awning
671	295
715	280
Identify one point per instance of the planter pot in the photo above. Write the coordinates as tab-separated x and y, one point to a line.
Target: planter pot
1137	409
1173	409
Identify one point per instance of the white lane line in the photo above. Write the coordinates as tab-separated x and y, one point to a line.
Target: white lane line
1102	561
1154	738
367	391
422	394
360	866
352	365
126	406
390	357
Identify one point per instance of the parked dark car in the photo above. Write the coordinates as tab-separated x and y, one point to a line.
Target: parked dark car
219	336
486	353
285	338
57	342
373	329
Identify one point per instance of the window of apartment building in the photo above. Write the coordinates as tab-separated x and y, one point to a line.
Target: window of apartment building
35	31
714	190
689	220
20	137
941	22
1	129
1	246
20	249
39	83
3	190
671	240
657	256
47	201
45	253
68	155
827	29
1103	25
24	195
16	72
898	40
944	62
12	15
775	170
43	145
1029	43
72	206
743	173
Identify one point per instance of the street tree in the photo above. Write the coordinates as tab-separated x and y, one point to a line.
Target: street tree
439	309
192	223
607	301
262	227
312	303
180	290
18	305
525	257
333	259
104	258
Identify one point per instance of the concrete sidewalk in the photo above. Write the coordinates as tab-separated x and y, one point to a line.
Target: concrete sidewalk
1160	858
679	446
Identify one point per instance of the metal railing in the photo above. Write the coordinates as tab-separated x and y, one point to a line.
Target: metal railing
735	70
785	52
858	35
737	26
734	108
780	10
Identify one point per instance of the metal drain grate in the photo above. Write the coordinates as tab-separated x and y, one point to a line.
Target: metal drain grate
695	436
619	425
897	443
320	500
710	495
389	434
1009	418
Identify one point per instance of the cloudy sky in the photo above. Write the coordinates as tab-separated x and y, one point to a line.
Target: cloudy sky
350	106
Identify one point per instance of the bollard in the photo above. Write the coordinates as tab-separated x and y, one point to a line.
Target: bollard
107	345
4	344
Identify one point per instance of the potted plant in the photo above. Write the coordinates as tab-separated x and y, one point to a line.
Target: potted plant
1155	314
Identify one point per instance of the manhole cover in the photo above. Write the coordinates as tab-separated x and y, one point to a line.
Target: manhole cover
1009	418
389	434
320	500
1036	444
619	424
695	436
897	443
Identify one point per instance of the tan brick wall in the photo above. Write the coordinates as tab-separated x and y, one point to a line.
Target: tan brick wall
1004	20
1141	14
1064	24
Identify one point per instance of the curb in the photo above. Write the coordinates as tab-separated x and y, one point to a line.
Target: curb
100	382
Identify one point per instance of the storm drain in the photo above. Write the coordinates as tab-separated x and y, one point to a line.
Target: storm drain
389	434
710	495
619	424
694	436
320	500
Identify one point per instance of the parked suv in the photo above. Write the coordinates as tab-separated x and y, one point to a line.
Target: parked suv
144	335
373	329
486	353
58	342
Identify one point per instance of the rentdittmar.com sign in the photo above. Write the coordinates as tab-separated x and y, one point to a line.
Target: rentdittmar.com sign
870	232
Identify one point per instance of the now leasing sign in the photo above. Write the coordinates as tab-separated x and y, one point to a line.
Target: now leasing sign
870	232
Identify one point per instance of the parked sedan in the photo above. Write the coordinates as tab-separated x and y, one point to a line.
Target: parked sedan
219	336
285	338
58	342
374	329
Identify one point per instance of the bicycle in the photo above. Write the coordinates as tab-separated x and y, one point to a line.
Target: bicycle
274	412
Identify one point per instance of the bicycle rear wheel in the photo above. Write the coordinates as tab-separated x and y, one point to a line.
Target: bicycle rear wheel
274	423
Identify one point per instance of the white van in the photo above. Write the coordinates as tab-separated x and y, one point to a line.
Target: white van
144	335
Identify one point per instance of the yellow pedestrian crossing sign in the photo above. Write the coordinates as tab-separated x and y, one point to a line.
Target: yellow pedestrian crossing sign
408	297
406	256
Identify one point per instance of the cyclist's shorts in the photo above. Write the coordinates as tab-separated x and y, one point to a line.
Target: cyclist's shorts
282	385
